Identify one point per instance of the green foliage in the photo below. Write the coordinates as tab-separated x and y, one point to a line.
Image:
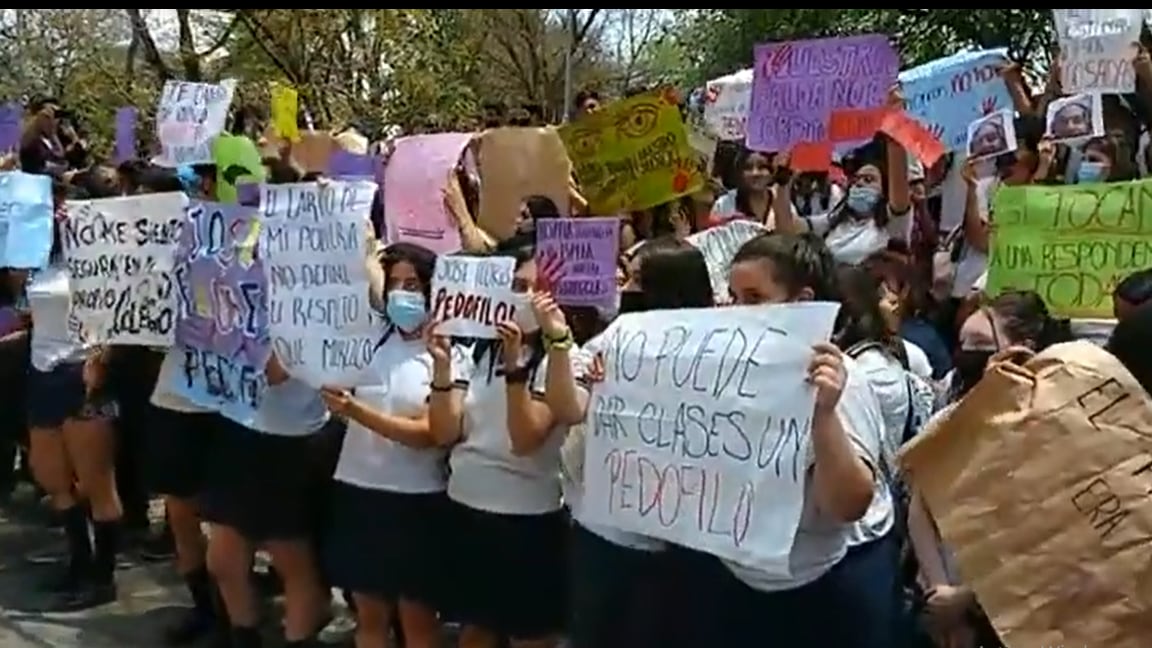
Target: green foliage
720	41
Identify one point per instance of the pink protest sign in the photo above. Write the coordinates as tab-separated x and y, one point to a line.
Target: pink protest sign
797	85
414	183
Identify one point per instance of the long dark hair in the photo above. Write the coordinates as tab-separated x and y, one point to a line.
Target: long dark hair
671	273
860	319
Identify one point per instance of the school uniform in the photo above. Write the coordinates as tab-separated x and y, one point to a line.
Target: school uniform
262	480
56	390
387	532
179	443
509	568
615	576
821	601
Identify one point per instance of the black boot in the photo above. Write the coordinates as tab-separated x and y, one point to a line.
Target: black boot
99	585
201	619
75	520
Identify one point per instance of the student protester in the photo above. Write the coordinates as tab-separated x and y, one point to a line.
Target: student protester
823	601
1011	325
752	198
504	482
71	439
262	491
876	209
386	535
40	149
177	444
616	577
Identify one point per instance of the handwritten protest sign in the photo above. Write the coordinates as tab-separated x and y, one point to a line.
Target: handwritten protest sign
1096	49
726	104
120	254
633	154
719	245
222	299
699	434
188	116
582	254
471	295
314	246
25	220
947	94
1071	243
515	163
1055	456
414	179
798	85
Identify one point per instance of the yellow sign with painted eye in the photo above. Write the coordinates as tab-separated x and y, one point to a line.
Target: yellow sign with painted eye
633	154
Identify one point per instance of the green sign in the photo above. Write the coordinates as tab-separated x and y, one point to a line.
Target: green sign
1070	243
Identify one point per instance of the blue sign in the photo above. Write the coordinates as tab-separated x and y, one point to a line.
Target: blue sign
25	220
947	94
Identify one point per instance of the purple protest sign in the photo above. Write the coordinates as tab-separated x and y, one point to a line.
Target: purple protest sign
797	85
11	126
222	291
577	257
125	133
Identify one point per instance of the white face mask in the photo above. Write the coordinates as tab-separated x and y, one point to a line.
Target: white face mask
525	317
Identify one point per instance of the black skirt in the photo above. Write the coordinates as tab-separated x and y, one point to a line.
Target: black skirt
267	487
387	545
178	447
509	572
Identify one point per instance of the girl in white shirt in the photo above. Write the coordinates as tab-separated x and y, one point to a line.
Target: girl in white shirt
818	603
752	198
876	209
616	576
504	486
386	535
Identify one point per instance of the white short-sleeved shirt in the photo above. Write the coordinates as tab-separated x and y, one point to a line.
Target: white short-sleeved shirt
572	456
485	474
162	395
822	542
50	299
403	375
291	408
854	240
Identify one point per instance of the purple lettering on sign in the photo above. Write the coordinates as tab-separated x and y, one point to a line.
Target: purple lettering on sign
797	85
222	291
577	257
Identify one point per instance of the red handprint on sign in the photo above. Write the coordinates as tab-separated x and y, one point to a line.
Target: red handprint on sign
988	106
549	270
937	131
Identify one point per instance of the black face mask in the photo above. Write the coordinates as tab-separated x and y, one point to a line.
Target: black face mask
632	301
970	365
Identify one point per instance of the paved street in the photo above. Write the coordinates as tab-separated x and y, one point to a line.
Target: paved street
149	596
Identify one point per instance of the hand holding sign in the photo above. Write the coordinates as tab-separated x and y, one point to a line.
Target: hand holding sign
553	324
826	372
511	337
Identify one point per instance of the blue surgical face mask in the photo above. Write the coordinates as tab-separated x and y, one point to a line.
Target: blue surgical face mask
406	309
863	198
1090	172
